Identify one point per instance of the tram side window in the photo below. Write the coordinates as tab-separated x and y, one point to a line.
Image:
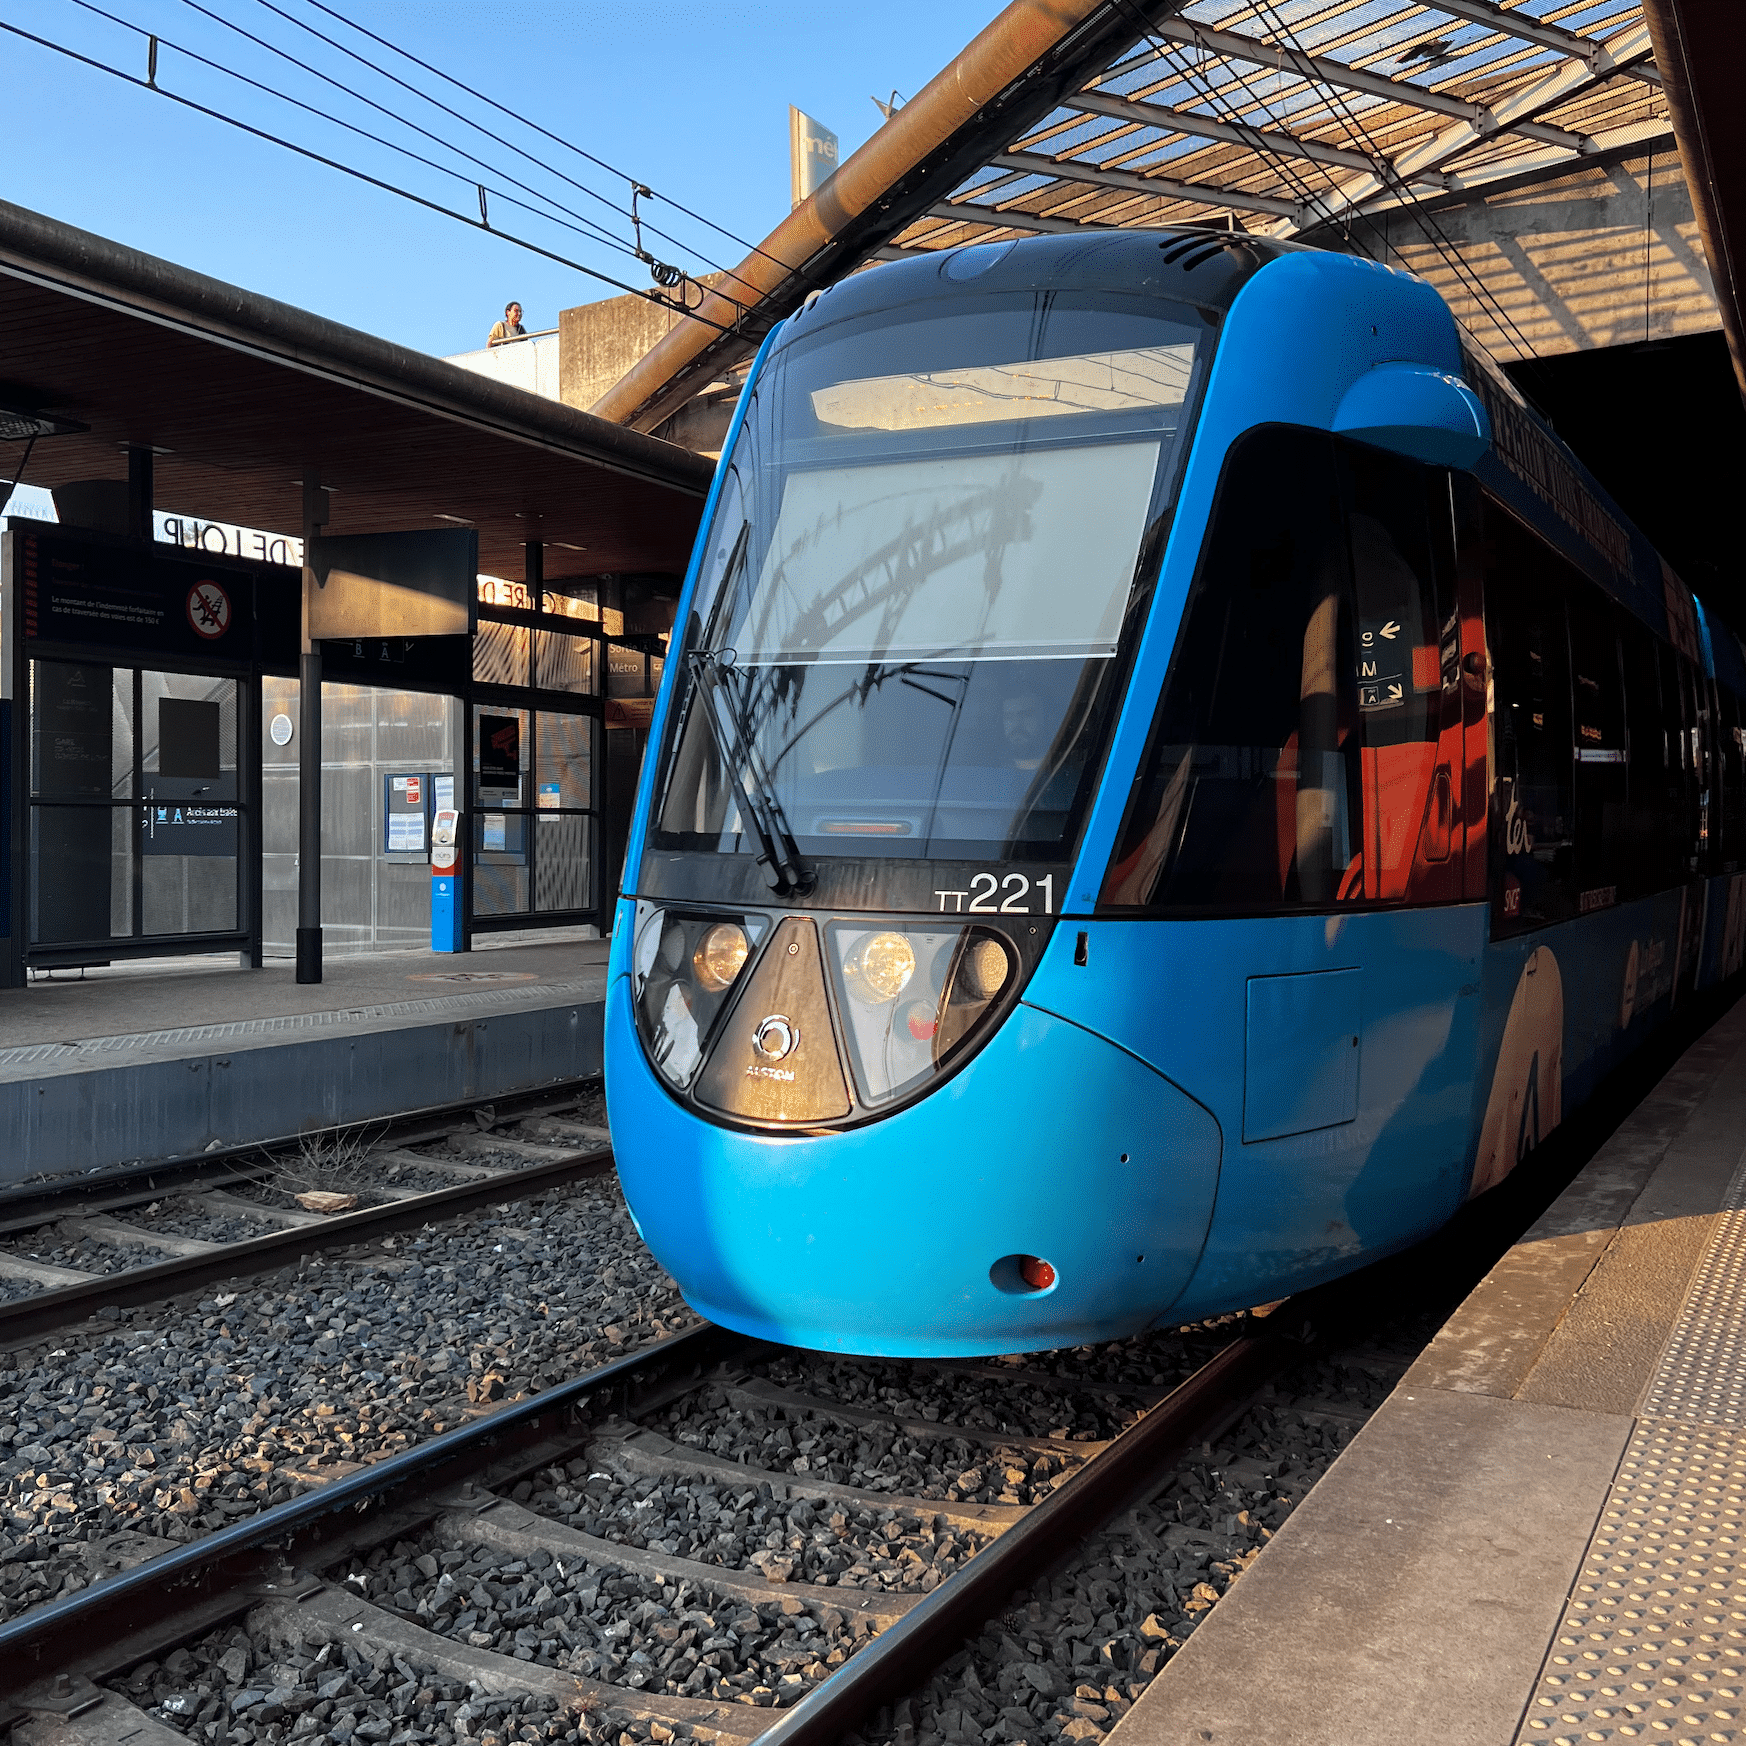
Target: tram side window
1603	834
1533	797
1731	763
1680	792
1292	756
1653	830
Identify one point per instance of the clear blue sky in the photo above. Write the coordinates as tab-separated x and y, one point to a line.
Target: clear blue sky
692	99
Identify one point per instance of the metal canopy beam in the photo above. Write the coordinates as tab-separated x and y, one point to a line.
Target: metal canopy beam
1565	80
1129	181
1266	140
1523	28
1321	70
1655	135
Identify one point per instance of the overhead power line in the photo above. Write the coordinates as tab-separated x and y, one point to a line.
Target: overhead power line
364	176
639	223
543	132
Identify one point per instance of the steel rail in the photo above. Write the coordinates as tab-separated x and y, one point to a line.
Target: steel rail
903	1655
167	1599
28	1317
50	1198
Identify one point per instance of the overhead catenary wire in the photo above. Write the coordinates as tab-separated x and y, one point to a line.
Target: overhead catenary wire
583	227
533	126
1192	75
1433	232
662	272
364	176
591	225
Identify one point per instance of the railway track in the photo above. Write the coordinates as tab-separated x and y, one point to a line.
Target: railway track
724	1540
500	1497
71	1248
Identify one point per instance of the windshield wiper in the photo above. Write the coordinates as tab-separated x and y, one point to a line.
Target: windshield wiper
786	873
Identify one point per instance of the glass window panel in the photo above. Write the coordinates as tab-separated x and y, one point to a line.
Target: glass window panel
1120	381
564	775
123	823
1603	835
975	570
1646	850
563	663
1295	745
563	861
74	744
501	756
500	653
1533	796
499	889
73	873
188	894
500	838
581	604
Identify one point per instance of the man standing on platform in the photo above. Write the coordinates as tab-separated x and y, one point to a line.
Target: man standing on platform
509	328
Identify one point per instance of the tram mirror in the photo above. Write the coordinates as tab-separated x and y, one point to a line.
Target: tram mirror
1417	411
419	584
188	730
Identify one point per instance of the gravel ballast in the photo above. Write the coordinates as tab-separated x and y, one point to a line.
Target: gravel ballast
184	1417
743	1527
942	1469
227	1687
605	1624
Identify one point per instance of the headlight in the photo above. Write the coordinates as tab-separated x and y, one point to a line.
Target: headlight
683	968
720	956
909	996
879	968
983	972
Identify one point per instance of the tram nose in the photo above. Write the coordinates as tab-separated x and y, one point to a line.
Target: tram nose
1056	1191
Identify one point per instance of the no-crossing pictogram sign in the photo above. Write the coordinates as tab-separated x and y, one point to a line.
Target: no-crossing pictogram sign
208	609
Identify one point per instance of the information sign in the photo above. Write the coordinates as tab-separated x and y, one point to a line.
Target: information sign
406	813
82	589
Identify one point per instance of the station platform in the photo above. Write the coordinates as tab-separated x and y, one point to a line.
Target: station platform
1541	1534
148	1062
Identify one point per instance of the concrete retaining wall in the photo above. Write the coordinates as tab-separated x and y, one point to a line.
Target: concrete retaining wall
153	1104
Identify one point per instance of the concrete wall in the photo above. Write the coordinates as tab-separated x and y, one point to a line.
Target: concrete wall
1603	254
598	342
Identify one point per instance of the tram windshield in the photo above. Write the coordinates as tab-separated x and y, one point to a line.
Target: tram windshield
920	574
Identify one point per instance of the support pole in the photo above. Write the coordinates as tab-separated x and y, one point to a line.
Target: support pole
139	493
315	513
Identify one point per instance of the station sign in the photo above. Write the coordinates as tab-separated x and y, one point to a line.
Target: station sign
108	596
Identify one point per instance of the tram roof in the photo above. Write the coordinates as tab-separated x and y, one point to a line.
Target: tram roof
241	396
1288	118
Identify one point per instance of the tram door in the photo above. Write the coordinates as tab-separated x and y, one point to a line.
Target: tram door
136	838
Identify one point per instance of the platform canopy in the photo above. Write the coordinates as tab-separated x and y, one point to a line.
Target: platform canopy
241	398
1303	115
1319	119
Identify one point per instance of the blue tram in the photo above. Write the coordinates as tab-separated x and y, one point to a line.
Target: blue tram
1169	778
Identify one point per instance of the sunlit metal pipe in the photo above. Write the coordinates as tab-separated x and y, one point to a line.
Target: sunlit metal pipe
1008	78
1698	50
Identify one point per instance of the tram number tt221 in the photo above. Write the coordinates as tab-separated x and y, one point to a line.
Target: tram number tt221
989	894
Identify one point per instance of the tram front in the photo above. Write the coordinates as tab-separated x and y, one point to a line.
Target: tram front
900	657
